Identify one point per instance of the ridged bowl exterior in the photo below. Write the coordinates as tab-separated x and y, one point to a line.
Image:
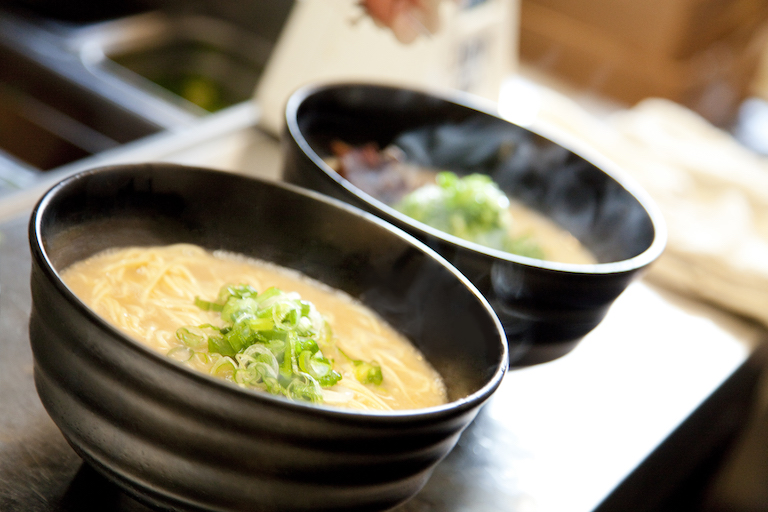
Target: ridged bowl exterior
546	308
183	440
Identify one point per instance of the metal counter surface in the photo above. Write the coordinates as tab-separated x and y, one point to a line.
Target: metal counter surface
639	403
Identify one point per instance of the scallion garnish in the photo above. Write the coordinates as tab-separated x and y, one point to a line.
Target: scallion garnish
367	372
471	207
270	340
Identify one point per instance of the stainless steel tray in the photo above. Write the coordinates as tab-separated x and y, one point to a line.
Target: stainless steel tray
68	92
618	424
180	58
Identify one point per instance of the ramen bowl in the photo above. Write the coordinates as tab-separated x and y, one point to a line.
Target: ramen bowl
181	439
546	307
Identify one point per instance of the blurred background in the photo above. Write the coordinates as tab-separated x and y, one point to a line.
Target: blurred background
708	55
674	91
709	59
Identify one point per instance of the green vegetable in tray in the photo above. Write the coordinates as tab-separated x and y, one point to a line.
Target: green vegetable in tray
270	340
204	92
472	207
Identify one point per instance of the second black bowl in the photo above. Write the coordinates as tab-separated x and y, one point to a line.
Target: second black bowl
546	307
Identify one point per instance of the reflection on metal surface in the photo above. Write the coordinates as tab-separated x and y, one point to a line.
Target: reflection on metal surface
561	435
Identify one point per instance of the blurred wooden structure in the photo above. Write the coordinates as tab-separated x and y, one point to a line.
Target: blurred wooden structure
700	53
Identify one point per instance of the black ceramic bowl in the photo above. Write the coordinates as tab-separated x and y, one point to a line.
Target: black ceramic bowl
178	438
546	308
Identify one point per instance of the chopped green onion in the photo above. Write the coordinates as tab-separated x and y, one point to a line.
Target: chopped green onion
367	372
270	340
202	357
181	354
224	367
206	305
193	337
471	207
218	345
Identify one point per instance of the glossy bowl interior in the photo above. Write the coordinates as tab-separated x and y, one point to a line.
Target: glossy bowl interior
546	307
182	439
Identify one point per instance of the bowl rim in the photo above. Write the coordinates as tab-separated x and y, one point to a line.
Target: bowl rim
449	409
477	104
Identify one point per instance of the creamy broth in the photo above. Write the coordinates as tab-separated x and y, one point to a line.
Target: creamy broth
556	243
149	293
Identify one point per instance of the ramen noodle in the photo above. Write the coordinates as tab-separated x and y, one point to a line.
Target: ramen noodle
154	293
